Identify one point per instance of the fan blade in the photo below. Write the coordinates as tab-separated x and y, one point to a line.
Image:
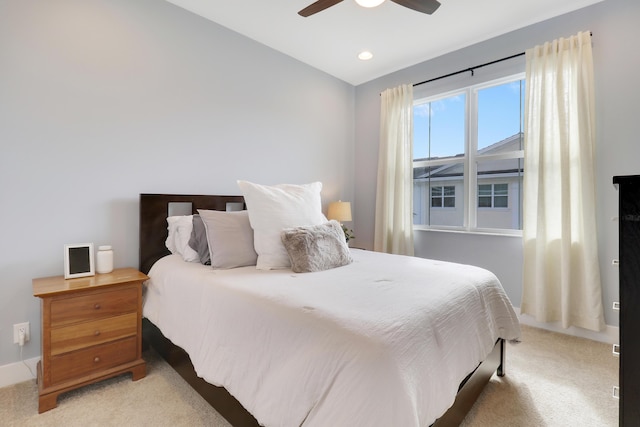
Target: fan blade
318	6
424	6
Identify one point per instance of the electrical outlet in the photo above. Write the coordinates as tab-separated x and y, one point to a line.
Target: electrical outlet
16	332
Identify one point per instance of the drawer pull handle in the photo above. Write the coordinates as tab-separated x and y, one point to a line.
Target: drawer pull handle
96	333
96	359
96	306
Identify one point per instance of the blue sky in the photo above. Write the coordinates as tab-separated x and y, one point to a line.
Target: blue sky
499	117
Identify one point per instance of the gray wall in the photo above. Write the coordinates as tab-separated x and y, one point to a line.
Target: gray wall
614	24
101	100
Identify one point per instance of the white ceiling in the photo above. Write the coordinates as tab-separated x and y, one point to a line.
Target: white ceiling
398	37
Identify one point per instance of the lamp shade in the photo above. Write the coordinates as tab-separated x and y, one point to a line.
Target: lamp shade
340	211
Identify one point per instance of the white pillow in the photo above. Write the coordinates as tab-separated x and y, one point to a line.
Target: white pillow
177	242
274	208
230	238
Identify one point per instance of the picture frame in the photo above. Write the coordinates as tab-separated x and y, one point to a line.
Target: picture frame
78	260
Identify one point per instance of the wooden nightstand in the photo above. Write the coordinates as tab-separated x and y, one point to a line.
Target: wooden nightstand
91	330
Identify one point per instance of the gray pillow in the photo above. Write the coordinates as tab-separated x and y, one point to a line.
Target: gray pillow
316	247
230	238
198	241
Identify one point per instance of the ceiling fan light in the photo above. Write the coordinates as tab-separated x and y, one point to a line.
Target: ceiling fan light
369	3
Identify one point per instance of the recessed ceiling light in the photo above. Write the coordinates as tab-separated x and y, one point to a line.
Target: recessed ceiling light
365	55
369	3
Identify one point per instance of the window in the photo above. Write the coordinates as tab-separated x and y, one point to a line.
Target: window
493	195
443	196
468	157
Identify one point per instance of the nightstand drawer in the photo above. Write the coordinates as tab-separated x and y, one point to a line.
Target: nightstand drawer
86	334
93	359
65	311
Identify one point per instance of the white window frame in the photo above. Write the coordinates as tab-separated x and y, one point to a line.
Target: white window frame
471	156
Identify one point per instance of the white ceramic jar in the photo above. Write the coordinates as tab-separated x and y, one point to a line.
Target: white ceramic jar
104	260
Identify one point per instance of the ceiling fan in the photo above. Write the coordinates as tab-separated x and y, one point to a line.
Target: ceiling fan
424	6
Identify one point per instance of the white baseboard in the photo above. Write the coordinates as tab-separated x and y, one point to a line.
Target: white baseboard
610	335
18	372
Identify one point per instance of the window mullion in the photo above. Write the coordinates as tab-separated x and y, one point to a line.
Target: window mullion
493	195
471	174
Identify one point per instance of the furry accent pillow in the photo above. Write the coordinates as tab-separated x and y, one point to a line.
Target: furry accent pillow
316	247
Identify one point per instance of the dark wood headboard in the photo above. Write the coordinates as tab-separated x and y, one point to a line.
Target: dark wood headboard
154	209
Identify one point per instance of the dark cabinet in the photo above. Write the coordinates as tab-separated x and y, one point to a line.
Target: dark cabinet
629	256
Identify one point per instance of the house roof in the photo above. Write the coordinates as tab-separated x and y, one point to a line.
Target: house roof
493	167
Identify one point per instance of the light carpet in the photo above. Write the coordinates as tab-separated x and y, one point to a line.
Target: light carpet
552	380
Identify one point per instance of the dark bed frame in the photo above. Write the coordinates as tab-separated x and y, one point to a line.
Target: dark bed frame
154	210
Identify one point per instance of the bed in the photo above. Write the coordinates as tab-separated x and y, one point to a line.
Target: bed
308	349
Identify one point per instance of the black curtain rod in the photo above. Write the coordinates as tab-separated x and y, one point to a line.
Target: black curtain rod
472	69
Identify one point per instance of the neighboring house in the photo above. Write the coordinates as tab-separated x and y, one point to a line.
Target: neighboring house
438	191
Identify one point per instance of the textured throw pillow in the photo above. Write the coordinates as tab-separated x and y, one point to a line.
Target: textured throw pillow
274	208
230	238
316	248
198	241
177	242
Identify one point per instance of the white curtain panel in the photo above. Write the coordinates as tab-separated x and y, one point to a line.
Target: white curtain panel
561	269
394	195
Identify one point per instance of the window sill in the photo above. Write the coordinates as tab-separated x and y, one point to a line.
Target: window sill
505	233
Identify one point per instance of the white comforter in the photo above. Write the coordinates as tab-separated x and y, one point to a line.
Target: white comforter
384	341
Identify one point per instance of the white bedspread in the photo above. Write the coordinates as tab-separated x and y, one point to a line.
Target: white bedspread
384	341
